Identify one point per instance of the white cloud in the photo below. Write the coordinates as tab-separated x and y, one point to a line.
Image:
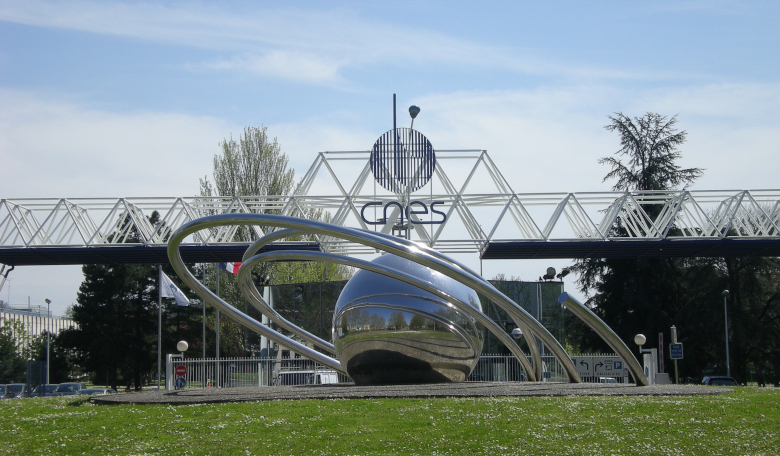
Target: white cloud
55	148
550	139
301	45
291	65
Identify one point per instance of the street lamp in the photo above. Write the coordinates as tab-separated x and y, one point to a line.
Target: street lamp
413	111
182	346
650	357
640	340
726	320
517	334
48	317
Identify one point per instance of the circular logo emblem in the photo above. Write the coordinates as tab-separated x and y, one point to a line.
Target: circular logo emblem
402	160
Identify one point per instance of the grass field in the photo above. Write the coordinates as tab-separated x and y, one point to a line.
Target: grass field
745	422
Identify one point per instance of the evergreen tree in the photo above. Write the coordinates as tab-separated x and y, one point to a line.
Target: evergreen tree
638	295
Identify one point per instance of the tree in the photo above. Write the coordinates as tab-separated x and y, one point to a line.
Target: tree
252	166
12	365
116	313
63	358
650	143
650	294
638	295
753	310
255	166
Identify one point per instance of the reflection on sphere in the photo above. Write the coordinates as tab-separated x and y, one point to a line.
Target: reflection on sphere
386	331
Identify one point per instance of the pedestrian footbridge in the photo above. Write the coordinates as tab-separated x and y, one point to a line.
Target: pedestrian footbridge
482	214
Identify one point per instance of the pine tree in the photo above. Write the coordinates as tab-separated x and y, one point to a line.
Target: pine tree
638	295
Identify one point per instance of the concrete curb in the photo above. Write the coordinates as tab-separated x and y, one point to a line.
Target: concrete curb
440	390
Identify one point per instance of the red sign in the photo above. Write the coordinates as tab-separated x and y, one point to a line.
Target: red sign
181	371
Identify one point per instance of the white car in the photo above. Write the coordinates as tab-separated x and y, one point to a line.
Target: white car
320	377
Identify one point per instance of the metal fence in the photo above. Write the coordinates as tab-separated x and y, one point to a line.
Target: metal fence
241	372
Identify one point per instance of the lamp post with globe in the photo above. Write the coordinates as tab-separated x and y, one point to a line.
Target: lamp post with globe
48	328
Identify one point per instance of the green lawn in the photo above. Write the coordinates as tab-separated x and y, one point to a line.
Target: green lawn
745	422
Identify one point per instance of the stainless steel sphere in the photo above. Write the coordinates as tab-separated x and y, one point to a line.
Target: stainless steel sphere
388	332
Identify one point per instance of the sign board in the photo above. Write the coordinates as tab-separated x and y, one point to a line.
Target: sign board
608	367
181	371
584	366
676	351
180	383
600	366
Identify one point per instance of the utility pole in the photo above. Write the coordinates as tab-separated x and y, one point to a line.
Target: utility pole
674	341
726	319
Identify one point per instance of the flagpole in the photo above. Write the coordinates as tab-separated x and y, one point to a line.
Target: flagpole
217	328
204	329
159	323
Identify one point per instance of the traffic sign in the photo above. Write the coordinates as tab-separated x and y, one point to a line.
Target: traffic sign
676	351
180	383
583	365
181	371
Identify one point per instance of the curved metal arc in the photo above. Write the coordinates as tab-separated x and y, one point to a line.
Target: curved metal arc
416	253
519	316
414	281
607	334
253	295
457	329
174	256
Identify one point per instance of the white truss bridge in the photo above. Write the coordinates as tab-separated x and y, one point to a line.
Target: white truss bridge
483	215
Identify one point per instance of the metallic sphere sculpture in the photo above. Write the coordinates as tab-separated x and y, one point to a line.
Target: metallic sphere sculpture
435	289
387	331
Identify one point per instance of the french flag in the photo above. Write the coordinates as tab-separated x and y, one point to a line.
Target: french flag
230	267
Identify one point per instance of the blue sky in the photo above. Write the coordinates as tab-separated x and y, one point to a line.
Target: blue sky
108	99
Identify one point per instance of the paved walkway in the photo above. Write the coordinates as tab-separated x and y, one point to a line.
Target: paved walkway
470	389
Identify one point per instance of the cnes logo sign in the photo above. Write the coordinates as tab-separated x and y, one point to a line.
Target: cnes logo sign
403	161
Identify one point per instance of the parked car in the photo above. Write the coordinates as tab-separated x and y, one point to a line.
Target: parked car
97	391
69	389
40	391
2	391
15	390
306	378
719	381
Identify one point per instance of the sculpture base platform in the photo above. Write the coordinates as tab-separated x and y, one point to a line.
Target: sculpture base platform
348	391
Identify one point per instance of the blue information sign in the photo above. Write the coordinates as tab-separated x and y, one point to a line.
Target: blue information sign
180	383
675	351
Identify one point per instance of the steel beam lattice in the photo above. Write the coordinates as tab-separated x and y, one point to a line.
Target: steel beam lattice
483	215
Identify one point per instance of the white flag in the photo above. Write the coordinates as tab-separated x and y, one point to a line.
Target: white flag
169	290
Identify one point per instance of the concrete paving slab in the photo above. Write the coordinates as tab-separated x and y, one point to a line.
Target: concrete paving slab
349	391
